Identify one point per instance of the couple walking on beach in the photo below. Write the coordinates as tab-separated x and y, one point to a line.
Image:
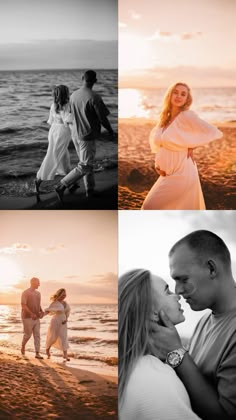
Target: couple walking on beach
32	313
79	118
158	377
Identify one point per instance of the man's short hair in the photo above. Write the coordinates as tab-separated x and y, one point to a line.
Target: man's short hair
90	76
34	280
204	242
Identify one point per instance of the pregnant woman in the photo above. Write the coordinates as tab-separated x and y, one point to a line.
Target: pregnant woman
57	330
177	133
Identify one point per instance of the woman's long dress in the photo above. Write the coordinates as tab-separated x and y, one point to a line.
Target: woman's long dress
57	159
57	330
180	189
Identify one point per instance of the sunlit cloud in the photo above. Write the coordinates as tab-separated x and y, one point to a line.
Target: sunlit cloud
15	248
134	15
53	248
190	35
171	36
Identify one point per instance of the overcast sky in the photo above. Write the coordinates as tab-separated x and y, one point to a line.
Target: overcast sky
58	34
145	239
72	249
171	40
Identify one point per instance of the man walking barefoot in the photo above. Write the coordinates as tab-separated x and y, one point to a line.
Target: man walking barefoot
31	313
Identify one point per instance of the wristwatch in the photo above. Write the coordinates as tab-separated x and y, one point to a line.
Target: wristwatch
174	358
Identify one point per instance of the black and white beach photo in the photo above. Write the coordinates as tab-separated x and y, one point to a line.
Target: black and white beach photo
46	45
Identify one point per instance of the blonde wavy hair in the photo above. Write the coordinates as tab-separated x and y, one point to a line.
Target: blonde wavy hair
57	294
135	307
165	114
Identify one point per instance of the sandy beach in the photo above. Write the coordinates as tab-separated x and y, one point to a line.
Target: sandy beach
41	389
216	166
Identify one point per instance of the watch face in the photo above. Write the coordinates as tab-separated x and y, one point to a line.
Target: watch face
174	358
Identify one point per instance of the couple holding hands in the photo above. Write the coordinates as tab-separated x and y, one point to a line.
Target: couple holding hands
32	313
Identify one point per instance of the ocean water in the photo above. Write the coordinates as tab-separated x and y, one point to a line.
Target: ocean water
211	104
92	334
26	97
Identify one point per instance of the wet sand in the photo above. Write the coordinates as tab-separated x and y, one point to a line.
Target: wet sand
24	196
41	389
216	165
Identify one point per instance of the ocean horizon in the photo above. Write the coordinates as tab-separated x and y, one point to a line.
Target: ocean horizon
212	104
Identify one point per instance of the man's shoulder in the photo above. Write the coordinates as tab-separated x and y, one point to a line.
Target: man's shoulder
85	93
26	291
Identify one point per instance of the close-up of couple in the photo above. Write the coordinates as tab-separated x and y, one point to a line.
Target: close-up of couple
161	376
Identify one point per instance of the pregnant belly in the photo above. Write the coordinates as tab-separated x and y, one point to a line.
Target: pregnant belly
170	161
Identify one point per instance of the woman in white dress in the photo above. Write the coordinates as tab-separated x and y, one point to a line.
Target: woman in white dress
148	388
57	330
57	159
176	134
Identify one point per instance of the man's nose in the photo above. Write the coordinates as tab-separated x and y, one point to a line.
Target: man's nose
179	289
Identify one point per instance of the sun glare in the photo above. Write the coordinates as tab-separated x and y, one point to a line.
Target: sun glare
10	273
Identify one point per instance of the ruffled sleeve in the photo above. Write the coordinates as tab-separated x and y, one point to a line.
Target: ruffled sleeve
51	112
55	307
67	310
155	140
192	131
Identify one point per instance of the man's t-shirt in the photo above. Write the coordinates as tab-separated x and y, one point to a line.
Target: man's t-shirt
89	110
31	298
213	349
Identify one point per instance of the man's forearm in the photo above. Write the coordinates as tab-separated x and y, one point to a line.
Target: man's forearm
105	123
204	398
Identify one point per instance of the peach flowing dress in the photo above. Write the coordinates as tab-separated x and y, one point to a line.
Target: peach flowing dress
57	330
180	189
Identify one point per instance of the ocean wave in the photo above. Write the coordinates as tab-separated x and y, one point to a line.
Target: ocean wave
81	340
9	130
104	321
108	341
21	147
81	328
111	361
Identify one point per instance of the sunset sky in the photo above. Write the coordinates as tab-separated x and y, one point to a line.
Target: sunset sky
58	34
145	239
185	40
72	249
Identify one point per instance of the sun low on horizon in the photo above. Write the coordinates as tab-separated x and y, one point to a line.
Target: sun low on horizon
10	274
64	249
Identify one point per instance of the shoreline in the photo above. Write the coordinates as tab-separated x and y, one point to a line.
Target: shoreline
33	388
106	199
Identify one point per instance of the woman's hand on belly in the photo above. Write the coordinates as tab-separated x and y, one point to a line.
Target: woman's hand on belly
159	171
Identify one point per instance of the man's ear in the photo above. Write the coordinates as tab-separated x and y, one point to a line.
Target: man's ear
212	268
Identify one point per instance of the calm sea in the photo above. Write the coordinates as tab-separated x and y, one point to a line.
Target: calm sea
92	333
26	97
211	104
